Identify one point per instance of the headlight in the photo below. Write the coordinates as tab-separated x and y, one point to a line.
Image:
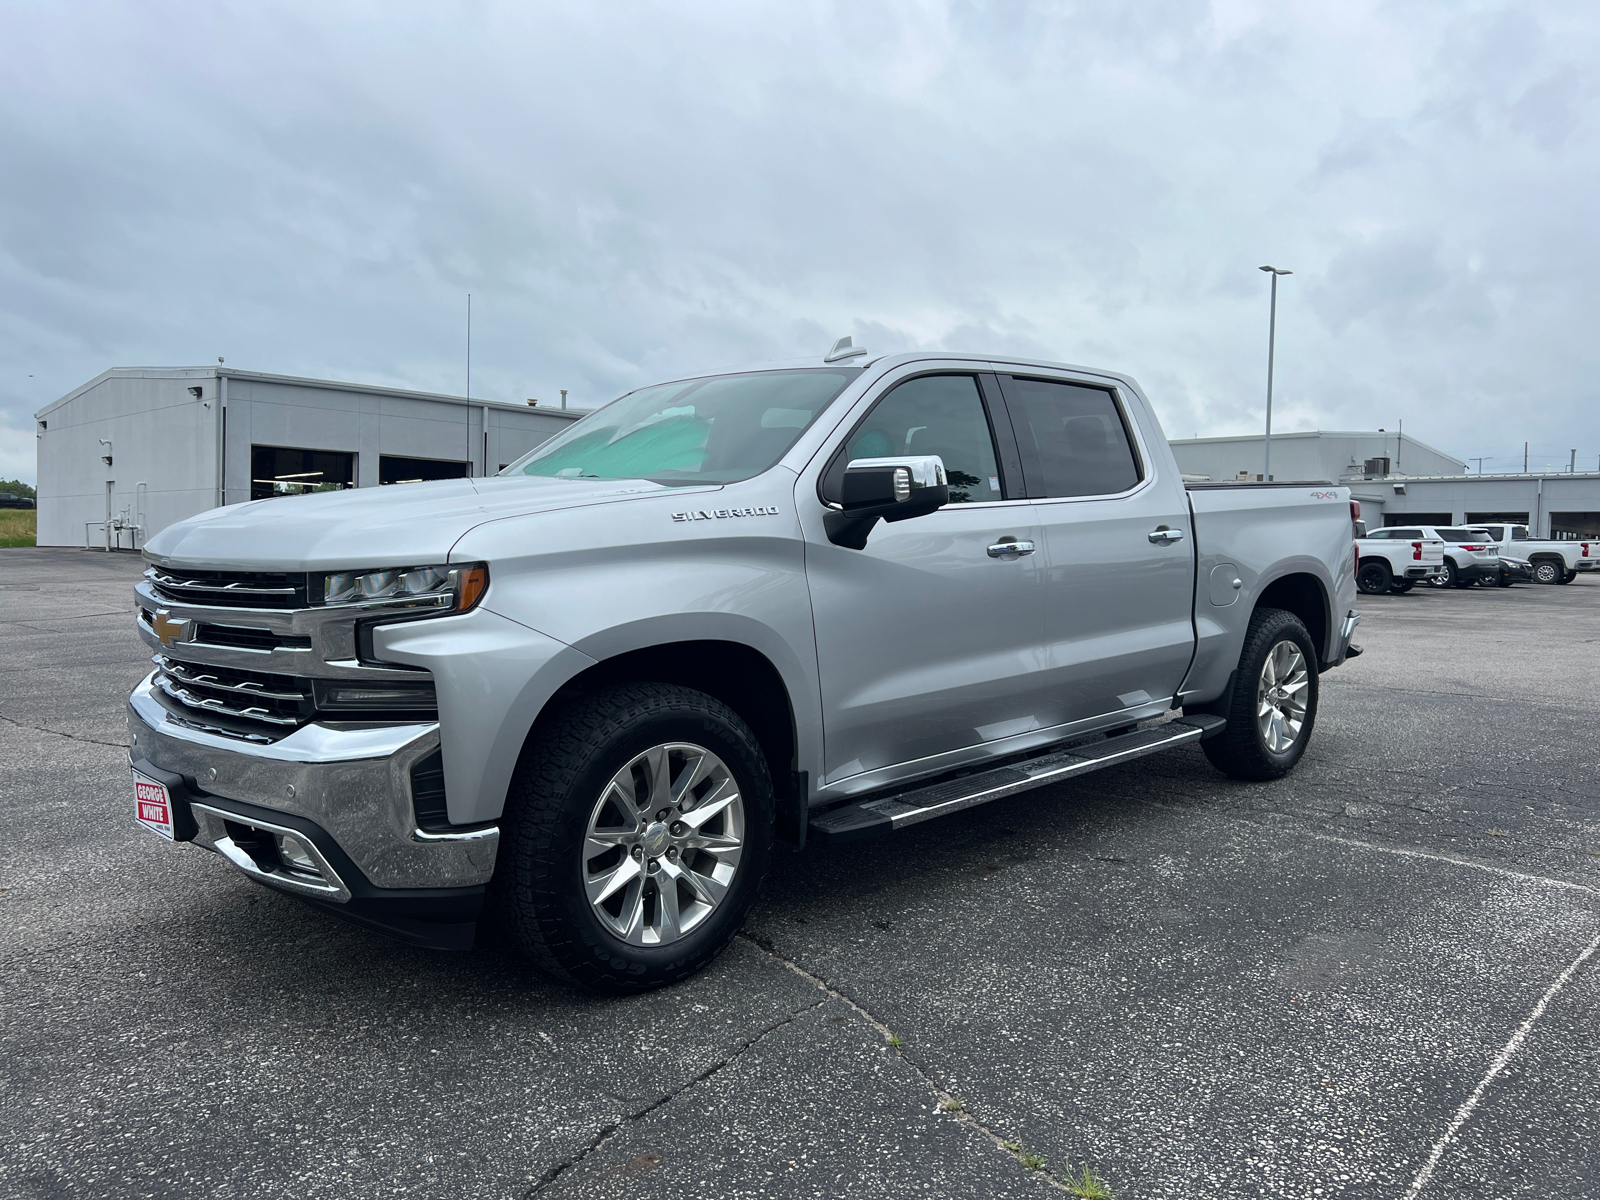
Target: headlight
462	585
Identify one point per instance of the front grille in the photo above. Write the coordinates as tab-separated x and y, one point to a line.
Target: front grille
233	702
229	589
242	637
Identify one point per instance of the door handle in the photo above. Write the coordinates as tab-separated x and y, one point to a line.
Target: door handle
1165	536
1007	546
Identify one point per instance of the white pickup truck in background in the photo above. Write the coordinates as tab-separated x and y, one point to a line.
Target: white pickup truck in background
1552	561
1396	560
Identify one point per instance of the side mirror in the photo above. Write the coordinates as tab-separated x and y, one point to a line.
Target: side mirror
895	489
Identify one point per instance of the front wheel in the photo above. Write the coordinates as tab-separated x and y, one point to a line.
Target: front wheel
1546	571
1274	705
637	831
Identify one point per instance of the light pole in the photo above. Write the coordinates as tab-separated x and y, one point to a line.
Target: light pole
1272	343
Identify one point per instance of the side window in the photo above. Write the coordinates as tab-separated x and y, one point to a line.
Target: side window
1519	533
936	414
1380	535
1073	439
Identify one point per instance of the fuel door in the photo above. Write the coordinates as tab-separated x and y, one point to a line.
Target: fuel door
1225	584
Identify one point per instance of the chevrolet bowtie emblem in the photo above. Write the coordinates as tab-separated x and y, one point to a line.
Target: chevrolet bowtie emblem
167	629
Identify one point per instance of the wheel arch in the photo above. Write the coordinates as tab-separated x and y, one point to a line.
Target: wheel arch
1303	594
738	675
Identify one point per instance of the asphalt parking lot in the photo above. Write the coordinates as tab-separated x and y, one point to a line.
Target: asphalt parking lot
1376	978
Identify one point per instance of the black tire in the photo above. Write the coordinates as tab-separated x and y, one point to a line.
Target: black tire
1401	586
1450	577
1374	577
1506	579
538	887
1547	570
1240	750
1463	581
1569	577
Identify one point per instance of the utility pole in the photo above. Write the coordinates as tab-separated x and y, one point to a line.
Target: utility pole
1524	458
1272	344
1572	463
1479	461
466	409
1398	442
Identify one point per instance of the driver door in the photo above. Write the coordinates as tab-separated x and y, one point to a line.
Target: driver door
928	640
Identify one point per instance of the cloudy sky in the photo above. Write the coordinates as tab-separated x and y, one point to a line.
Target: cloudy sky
632	190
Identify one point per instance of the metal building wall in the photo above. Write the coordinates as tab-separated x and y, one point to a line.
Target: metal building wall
168	440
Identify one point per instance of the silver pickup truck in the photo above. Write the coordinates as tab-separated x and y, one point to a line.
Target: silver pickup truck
587	697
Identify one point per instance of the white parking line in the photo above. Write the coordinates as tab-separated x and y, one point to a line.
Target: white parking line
1499	1065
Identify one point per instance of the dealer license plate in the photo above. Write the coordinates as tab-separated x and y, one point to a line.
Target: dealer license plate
152	806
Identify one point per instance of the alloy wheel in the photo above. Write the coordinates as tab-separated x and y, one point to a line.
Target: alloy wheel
663	844
1281	696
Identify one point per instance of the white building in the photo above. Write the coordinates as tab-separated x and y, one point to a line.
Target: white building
138	448
1402	481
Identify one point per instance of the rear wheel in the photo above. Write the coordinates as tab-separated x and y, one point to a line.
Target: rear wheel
1401	586
1569	577
638	829
1274	704
1547	570
1448	578
1374	577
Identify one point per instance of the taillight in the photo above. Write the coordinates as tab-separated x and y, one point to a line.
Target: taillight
1586	549
1474	549
1416	551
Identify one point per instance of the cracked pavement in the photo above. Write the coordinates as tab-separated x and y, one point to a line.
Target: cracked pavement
1192	986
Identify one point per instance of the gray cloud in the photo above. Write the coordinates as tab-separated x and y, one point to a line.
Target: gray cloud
638	191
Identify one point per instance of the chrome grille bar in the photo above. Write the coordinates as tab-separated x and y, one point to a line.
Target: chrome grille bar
186	673
212	705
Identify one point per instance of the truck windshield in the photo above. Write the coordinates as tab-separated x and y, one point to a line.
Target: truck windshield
719	429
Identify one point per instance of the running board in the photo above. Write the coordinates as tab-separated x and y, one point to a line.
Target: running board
870	818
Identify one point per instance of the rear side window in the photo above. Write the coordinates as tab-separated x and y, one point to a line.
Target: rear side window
1073	439
1381	534
1519	533
1456	535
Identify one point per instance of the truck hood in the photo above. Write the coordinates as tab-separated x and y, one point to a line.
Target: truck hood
407	524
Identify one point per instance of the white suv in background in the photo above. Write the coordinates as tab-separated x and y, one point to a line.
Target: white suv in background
1468	555
1397	559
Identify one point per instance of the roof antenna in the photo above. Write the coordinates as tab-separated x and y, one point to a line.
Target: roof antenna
843	349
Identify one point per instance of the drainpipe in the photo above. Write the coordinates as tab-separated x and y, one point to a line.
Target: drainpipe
222	439
1538	509
486	471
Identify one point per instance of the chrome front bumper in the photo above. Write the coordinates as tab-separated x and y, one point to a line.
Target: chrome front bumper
352	783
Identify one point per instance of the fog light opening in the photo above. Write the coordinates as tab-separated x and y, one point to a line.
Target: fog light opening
296	859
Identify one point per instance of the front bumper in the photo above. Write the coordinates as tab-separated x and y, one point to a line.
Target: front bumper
345	790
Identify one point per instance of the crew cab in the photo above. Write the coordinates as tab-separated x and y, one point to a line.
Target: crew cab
1396	559
1549	560
826	599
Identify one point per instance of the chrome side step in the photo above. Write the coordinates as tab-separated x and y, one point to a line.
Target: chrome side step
870	818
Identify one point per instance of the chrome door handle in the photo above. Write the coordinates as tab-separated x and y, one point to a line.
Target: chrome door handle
1165	536
1002	548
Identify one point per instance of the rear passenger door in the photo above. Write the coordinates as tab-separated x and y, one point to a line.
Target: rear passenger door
1118	546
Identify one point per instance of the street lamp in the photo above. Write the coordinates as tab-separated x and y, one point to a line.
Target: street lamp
1272	340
